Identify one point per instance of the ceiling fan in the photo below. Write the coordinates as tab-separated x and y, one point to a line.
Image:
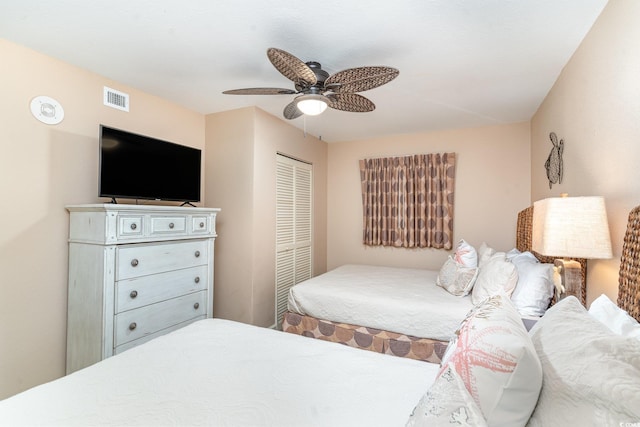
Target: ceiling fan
317	90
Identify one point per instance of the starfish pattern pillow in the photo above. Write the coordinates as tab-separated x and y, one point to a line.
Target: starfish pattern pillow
497	362
466	254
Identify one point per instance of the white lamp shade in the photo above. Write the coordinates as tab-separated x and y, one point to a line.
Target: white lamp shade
312	104
571	227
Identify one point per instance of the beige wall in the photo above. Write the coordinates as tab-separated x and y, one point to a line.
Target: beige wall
492	182
229	186
275	136
42	169
595	107
240	163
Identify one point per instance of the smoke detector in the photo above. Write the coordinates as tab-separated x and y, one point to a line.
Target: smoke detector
47	110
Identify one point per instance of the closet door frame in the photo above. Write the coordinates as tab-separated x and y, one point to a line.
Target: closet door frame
294	228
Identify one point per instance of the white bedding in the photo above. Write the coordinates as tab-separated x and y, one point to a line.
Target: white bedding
223	373
401	300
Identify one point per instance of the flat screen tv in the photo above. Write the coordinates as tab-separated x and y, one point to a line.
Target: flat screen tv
139	167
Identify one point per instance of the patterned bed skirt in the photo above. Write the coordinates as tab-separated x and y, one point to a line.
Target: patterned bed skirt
365	338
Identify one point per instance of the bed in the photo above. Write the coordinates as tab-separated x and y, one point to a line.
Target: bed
397	311
570	369
389	301
222	373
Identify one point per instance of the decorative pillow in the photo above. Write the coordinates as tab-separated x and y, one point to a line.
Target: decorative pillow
614	318
456	278
484	253
447	403
591	376
535	287
466	254
496	274
496	360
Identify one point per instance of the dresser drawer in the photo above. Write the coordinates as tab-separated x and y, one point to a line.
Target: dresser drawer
141	260
130	226
126	346
164	225
200	224
145	290
134	324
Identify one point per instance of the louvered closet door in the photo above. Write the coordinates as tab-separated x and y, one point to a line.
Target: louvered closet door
293	228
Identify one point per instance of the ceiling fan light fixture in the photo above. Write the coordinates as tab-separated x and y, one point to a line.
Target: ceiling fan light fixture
312	104
311	81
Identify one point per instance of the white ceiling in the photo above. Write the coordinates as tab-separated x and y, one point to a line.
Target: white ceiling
463	63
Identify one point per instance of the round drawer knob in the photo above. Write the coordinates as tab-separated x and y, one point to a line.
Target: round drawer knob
202	225
197	280
133	294
171	225
134	226
197	254
132	326
134	262
196	305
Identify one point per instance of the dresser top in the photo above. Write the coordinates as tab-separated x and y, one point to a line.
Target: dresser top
107	207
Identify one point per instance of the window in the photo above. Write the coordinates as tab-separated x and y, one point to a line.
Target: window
408	201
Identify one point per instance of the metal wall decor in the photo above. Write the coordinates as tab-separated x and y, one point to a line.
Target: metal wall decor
553	165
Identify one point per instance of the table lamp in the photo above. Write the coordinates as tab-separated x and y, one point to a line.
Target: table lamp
571	227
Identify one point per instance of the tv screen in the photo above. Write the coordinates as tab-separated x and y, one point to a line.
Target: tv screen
139	167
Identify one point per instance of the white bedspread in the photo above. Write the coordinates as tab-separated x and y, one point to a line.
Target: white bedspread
222	373
401	300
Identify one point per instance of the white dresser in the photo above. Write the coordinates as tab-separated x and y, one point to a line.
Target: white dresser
135	272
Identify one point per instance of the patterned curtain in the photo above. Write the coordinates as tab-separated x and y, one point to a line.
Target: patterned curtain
408	201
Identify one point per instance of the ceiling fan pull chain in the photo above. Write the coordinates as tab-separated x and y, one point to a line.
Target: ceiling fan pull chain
304	125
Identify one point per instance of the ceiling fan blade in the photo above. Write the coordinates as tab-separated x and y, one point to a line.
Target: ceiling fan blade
360	79
291	67
350	102
291	111
260	91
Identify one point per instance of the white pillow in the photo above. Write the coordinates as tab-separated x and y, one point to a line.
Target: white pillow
496	274
484	253
466	254
591	377
447	403
535	287
495	358
614	318
513	253
456	278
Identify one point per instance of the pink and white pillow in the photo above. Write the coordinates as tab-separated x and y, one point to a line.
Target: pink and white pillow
466	254
497	362
459	272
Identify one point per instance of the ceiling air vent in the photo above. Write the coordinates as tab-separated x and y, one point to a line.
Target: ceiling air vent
116	99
